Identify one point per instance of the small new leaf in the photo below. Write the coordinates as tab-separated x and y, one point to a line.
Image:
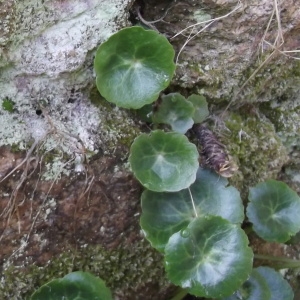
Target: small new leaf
176	111
200	106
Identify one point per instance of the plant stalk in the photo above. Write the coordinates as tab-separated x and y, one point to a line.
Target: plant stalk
179	294
283	262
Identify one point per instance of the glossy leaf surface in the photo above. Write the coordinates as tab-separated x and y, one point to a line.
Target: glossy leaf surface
209	258
255	288
200	106
175	111
164	161
133	66
76	285
274	210
264	284
278	286
163	214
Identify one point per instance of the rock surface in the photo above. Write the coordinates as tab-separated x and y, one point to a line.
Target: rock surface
72	203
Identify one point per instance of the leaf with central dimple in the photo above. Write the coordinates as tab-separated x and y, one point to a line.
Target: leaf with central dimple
264	284
164	161
274	210
162	168
209	258
133	66
163	214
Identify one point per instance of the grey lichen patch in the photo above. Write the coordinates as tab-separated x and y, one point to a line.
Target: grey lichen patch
81	25
51	50
286	120
126	270
285	115
7	24
201	16
254	144
119	127
55	169
259	84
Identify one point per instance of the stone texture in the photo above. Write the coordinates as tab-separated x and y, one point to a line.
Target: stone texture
73	203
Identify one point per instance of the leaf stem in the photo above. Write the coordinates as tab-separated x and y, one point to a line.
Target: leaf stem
193	203
179	294
283	261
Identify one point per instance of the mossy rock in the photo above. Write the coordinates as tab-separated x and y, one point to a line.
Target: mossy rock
256	148
127	270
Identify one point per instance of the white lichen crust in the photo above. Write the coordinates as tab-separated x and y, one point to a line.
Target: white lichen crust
47	71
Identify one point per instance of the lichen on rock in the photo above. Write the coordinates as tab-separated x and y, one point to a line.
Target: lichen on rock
254	144
115	267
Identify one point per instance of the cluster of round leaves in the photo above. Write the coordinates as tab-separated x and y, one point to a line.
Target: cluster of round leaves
189	214
208	254
181	113
205	250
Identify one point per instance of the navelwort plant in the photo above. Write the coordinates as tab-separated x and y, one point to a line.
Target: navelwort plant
191	214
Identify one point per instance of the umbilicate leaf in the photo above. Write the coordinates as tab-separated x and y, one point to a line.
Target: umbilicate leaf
164	161
163	214
209	258
76	285
200	106
176	111
278	286
255	288
274	210
263	284
133	66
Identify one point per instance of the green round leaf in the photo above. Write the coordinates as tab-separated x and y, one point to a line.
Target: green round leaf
209	258
278	286
163	214
264	284
255	288
133	66
164	161
201	107
274	210
175	111
76	285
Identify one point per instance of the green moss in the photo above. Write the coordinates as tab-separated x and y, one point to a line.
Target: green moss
14	148
97	99
256	147
125	270
263	86
8	105
119	128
